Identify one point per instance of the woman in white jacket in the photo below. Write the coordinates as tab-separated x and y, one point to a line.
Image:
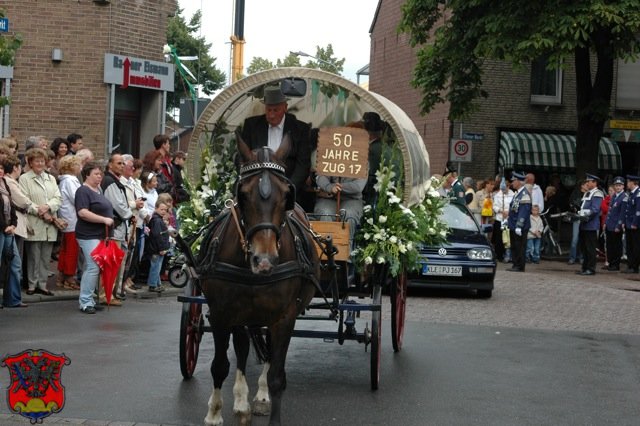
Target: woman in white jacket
501	201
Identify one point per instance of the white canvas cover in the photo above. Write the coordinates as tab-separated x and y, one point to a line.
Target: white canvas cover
330	101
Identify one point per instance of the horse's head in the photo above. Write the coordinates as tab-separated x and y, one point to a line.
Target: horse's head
264	194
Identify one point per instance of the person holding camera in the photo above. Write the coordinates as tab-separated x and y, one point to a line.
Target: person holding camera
589	216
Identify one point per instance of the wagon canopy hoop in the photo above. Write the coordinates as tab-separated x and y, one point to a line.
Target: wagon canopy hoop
414	153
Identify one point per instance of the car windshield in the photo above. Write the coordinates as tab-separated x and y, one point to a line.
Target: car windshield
458	218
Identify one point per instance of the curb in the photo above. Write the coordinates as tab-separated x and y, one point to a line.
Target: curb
60	295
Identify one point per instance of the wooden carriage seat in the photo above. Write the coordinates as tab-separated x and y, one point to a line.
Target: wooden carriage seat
339	232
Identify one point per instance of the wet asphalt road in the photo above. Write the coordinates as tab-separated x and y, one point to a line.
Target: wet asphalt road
549	348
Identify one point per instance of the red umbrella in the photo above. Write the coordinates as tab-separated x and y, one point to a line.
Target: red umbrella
108	255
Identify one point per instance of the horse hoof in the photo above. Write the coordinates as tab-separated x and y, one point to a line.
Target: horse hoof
243	419
261	407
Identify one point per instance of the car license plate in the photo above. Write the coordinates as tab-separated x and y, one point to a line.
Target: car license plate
442	270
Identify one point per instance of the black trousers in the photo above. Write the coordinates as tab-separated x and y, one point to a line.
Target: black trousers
588	243
633	248
614	248
518	248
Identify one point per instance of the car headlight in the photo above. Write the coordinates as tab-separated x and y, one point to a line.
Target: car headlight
480	254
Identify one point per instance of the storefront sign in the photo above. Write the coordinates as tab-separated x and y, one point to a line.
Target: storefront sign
343	152
128	71
625	124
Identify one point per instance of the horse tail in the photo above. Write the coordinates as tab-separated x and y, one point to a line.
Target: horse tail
260	342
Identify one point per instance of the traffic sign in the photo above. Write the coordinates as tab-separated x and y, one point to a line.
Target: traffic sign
460	150
4	25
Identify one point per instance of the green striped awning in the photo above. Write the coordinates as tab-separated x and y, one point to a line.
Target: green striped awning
551	152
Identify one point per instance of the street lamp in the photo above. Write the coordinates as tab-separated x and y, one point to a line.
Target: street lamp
300	53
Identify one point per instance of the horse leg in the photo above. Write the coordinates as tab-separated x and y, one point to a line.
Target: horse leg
276	377
219	372
241	407
262	402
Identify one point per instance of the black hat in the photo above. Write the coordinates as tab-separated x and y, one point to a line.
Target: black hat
592	177
517	176
273	96
372	121
618	180
633	178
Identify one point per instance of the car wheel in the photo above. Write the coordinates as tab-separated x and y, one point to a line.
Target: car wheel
484	294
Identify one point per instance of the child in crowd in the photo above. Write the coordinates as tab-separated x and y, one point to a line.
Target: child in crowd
157	245
534	237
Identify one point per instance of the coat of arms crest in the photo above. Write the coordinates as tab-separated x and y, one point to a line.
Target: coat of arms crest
35	391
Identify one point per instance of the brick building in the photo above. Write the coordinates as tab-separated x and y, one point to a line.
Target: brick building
528	121
93	67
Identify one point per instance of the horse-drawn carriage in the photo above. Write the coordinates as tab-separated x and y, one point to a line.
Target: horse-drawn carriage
259	227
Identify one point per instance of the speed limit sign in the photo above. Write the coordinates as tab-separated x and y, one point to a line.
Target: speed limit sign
460	150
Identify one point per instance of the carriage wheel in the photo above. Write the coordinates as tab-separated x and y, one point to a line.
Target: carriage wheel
376	338
398	296
191	329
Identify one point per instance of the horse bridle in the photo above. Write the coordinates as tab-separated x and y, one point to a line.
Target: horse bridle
264	186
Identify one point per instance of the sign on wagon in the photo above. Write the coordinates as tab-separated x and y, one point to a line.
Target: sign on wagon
343	152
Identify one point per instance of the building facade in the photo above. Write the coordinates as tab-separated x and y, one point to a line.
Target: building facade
528	121
93	67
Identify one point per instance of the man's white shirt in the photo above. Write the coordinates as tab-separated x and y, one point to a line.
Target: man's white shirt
275	135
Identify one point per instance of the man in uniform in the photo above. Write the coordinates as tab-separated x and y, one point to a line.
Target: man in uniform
614	225
452	182
519	221
589	214
631	223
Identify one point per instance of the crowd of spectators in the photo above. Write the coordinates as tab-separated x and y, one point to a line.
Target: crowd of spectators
57	203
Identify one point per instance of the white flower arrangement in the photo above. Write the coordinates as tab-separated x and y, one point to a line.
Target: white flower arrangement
389	229
216	185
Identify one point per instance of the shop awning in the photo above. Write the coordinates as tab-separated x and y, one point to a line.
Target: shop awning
519	150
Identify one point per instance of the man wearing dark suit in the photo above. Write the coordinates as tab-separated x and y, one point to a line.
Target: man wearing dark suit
269	129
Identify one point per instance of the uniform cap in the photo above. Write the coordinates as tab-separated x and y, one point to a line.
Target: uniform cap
618	180
633	178
449	168
517	176
592	177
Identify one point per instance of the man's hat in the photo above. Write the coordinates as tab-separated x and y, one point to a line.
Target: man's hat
273	96
592	177
517	176
618	180
372	121
633	178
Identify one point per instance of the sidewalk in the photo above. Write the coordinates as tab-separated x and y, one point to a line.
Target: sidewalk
65	294
558	267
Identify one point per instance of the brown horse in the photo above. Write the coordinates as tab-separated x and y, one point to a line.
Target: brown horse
258	268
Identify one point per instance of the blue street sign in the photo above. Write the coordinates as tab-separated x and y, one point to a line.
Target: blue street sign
4	25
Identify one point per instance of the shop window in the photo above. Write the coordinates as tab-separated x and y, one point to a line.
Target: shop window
546	84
